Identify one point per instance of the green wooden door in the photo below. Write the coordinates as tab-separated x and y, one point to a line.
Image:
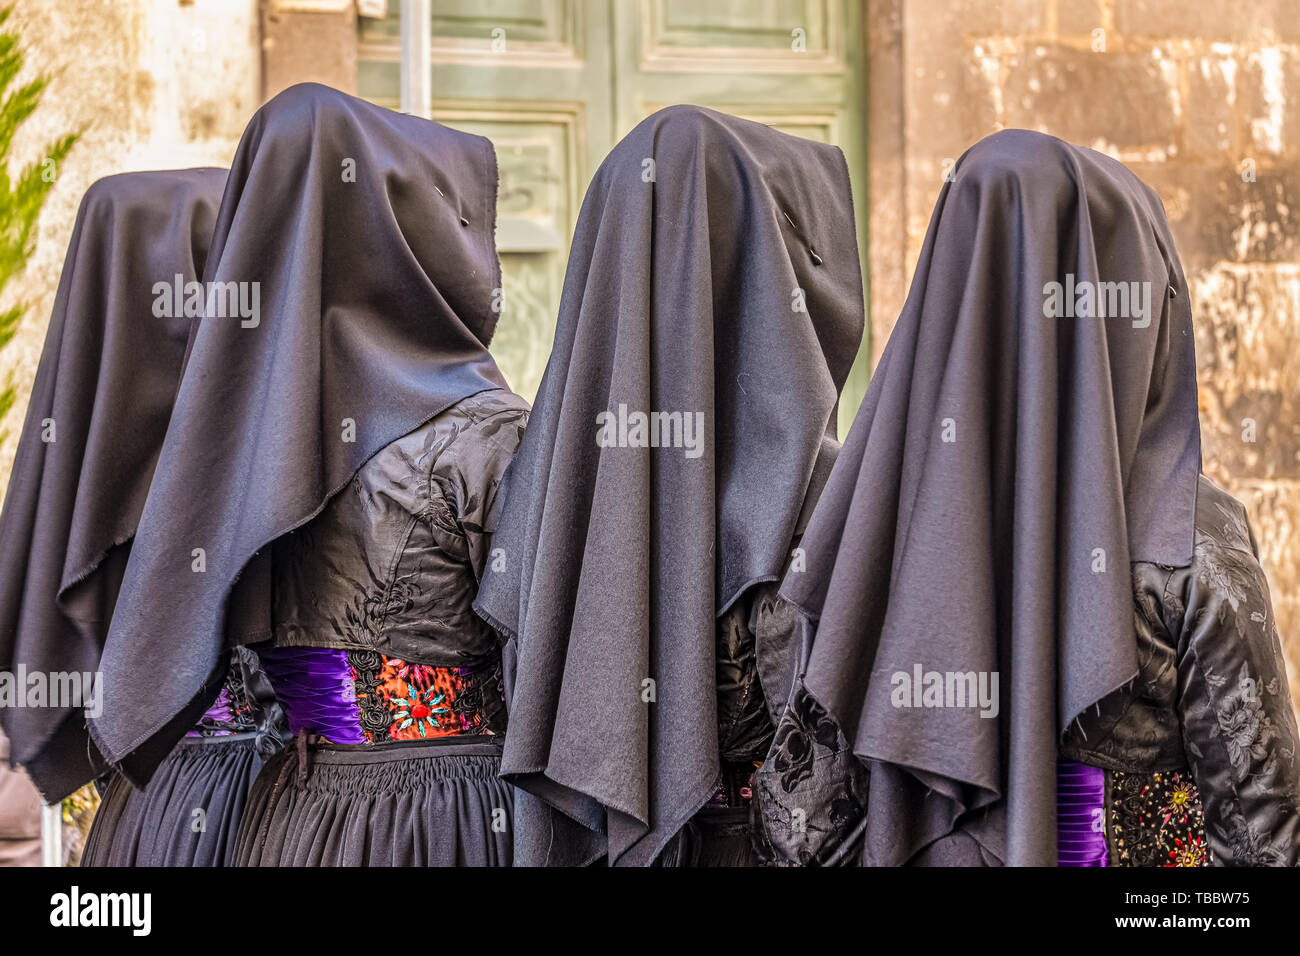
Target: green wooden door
555	83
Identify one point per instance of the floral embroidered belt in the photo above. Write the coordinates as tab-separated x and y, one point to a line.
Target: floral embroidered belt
1157	819
234	712
365	697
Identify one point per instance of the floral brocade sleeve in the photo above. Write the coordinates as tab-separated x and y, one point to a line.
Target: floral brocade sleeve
1238	723
810	794
467	479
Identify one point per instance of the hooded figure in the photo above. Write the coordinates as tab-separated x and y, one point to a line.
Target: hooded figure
1016	556
711	311
98	413
324	488
349	299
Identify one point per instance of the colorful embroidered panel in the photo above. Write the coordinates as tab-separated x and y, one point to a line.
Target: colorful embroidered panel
403	701
1156	819
364	697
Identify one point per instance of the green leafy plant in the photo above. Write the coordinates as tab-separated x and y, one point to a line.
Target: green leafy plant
21	198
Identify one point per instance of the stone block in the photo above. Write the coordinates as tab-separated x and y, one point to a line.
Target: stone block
1211	115
1269	100
1217	216
1121	100
1247	321
1228	20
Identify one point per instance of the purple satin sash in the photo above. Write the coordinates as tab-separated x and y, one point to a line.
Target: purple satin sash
221	712
314	686
1080	813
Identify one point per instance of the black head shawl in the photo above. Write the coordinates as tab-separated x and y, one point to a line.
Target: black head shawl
1005	468
351	292
98	413
714	273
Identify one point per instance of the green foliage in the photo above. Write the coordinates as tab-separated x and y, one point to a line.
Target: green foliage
21	198
78	814
78	804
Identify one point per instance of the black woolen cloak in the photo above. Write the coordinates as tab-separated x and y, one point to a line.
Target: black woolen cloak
714	269
1074	440
106	381
369	236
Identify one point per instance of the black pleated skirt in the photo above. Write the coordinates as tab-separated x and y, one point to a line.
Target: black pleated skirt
414	803
187	816
714	837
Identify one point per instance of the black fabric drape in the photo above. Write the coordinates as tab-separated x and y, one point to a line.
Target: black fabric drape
367	238
714	271
1006	467
98	412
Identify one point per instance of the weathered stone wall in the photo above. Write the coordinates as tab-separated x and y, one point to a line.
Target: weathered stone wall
1188	93
151	84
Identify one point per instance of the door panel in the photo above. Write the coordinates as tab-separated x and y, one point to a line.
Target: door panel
532	76
555	83
537	204
792	64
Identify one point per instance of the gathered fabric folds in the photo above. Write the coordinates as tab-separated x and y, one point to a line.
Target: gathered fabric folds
439	803
187	816
1080	803
95	423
